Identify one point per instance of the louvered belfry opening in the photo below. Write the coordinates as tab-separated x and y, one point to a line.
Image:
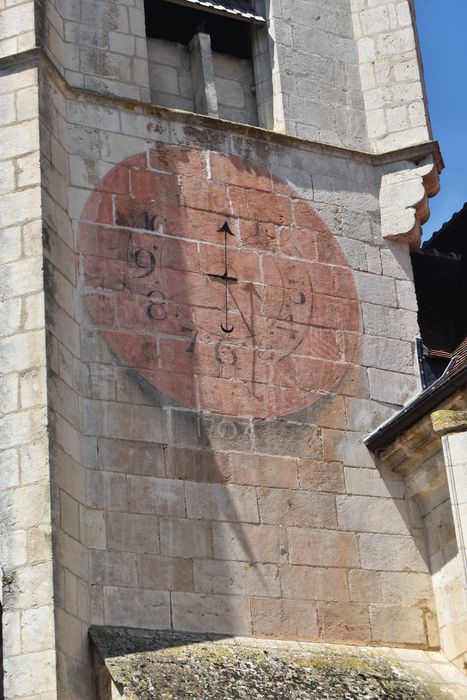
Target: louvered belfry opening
208	57
230	32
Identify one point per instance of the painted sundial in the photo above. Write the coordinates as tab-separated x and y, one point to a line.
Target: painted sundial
217	283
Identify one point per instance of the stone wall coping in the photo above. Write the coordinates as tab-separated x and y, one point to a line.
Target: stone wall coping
185	665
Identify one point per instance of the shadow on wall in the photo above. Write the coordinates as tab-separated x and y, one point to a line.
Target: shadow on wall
195	472
418	457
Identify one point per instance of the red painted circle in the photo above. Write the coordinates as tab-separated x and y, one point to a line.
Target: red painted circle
151	257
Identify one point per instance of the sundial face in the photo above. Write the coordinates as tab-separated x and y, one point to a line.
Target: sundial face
260	323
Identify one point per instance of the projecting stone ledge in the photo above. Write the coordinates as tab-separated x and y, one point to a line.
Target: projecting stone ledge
403	199
161	665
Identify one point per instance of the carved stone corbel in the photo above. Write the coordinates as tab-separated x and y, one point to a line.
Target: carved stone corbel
404	201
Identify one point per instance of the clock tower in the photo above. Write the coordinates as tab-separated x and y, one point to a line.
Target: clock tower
208	304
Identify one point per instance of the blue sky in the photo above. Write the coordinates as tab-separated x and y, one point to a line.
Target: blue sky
442	28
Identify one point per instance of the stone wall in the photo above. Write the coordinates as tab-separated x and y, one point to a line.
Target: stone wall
197	484
25	515
184	477
17	28
171	82
75	527
316	72
101	47
418	456
390	73
222	510
340	73
170	74
236	91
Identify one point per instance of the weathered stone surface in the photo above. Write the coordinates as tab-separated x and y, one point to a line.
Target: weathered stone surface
287	619
322	547
371	514
391	553
246	542
150	452
150	664
122	604
297	508
449	421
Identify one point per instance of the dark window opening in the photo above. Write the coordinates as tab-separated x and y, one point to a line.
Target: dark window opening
431	367
165	20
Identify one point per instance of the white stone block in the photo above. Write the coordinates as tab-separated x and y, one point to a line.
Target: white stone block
375	20
389	354
397	118
404	18
7	109
37	674
14	548
17	19
11	244
11	633
390	553
369	482
17	207
10	317
9	468
33	389
375	288
392	387
396	42
37	629
366	49
28	170
372	514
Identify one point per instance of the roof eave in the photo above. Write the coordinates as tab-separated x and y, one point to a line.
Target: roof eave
422	404
219	9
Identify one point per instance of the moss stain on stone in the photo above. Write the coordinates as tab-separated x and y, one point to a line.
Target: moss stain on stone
176	666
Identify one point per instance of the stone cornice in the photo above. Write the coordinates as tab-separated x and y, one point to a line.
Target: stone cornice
415	154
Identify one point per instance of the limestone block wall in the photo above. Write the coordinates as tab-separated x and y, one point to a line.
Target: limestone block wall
419	457
17	28
77	526
99	46
178	476
391	74
236	91
27	594
170	74
171	81
316	73
223	498
344	73
448	580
